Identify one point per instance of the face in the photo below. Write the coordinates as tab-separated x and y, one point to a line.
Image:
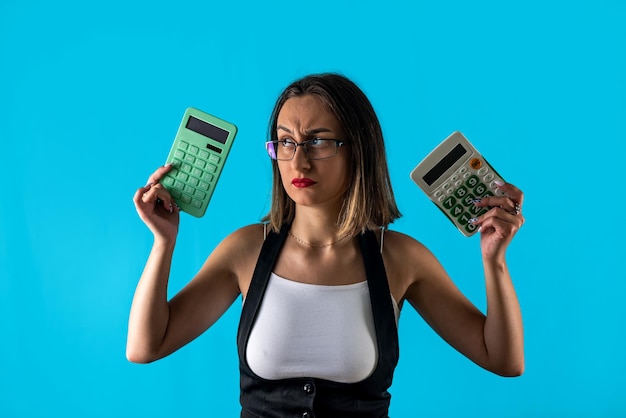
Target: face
312	182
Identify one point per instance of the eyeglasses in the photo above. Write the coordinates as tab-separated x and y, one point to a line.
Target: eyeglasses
315	149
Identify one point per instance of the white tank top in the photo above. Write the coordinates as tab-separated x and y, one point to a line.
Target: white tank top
306	330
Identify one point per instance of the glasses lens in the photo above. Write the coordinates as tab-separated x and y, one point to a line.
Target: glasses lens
271	149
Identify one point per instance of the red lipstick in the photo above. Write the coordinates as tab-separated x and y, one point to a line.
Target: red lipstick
302	182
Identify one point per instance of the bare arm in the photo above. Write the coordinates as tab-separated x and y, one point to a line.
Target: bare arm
157	327
494	341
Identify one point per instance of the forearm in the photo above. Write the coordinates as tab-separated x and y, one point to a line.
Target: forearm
149	314
503	332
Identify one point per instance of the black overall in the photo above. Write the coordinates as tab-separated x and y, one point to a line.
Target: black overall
314	397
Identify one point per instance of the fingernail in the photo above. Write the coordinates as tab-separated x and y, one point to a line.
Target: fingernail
171	208
473	220
167	165
499	183
148	185
474	201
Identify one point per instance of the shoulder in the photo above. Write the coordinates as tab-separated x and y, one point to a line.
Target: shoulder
407	261
245	240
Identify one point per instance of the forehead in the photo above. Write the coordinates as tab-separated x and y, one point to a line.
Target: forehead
306	112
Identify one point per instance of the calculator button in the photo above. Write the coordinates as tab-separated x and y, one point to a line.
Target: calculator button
475	163
462	170
457	210
472	181
464	218
193	149
194	181
186	168
182	176
188	189
190	158
175	193
211	168
196	203
480	189
200	194
475	210
203	154
185	198
467	200
483	171
454	178
446	186
488	177
203	186
168	181
207	176
466	175
470	228
458	183
449	202
437	193
183	145
214	159
179	153
200	163
460	192
488	194
493	185
179	185
196	172
440	198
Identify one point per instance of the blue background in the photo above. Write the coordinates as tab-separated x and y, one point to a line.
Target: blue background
91	95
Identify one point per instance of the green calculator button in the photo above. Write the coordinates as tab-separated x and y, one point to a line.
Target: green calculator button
480	189
467	200
196	203
214	159
457	210
475	210
206	176
179	185
193	149
211	168
449	202
203	154
194	181
203	186
200	163
168	181
460	192
188	189
464	218
196	172
190	158
470	228
182	176
184	144
185	198
175	193
472	181
179	153
200	194
186	168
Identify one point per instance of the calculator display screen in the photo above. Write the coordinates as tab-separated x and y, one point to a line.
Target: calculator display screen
206	129
443	165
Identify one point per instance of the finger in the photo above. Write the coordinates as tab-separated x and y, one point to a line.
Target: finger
160	197
498	216
504	202
511	191
159	173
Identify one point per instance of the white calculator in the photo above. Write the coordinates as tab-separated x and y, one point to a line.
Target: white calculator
453	175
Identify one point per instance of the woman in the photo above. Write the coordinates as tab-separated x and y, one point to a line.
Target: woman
322	279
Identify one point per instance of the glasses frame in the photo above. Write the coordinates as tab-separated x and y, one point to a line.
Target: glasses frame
338	143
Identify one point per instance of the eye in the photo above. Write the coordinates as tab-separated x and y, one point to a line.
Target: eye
287	143
319	142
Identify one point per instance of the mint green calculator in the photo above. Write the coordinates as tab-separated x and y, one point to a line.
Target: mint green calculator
453	175
198	155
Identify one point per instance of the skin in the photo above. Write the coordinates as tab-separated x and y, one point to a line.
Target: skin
157	327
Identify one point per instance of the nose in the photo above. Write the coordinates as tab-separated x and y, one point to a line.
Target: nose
300	159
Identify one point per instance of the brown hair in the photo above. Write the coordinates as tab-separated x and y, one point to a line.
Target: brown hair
369	200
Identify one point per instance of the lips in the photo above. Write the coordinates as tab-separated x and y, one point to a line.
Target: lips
302	182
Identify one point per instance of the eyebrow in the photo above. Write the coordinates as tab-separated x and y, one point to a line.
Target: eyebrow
308	132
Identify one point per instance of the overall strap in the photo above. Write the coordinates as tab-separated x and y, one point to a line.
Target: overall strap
265	264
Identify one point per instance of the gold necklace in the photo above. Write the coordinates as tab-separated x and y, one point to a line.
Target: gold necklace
308	244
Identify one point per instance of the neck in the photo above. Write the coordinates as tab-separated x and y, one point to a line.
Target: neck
315	227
